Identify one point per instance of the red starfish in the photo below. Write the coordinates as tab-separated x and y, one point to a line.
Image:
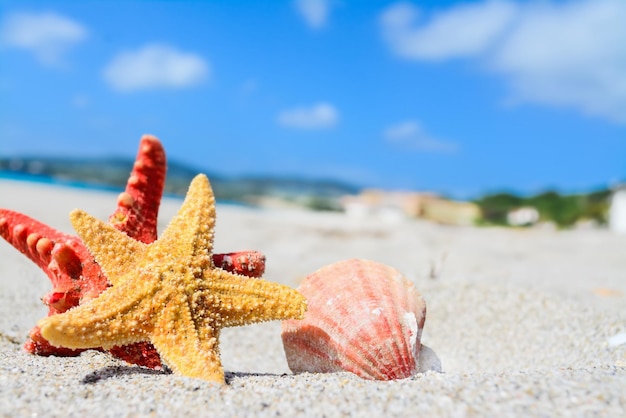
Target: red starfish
75	275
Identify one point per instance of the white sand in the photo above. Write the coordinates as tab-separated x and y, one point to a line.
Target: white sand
526	322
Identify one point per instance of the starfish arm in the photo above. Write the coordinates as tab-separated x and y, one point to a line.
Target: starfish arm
241	300
37	240
190	233
187	349
37	344
115	252
246	263
121	315
64	258
138	206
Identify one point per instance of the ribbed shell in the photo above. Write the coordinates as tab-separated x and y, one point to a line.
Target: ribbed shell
363	317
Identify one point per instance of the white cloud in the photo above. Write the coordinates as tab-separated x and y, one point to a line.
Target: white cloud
155	66
47	35
566	54
571	55
314	12
465	30
317	116
411	135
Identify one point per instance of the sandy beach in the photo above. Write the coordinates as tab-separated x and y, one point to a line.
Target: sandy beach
525	322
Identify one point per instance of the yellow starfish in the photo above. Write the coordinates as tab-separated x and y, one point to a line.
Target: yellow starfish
169	292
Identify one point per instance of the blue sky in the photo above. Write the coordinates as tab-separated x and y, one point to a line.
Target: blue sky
456	97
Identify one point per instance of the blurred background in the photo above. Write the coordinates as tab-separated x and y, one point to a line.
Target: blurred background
463	112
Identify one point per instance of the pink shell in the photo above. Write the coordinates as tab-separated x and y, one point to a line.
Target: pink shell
363	317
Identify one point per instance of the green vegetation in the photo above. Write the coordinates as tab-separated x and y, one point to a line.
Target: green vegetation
322	204
563	210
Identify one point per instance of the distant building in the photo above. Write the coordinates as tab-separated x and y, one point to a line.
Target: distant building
386	205
524	216
395	206
617	210
450	212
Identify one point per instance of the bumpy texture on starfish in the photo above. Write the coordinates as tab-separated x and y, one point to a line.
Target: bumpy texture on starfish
77	278
169	292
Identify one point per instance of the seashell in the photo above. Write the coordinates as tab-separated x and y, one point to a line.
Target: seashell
363	317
